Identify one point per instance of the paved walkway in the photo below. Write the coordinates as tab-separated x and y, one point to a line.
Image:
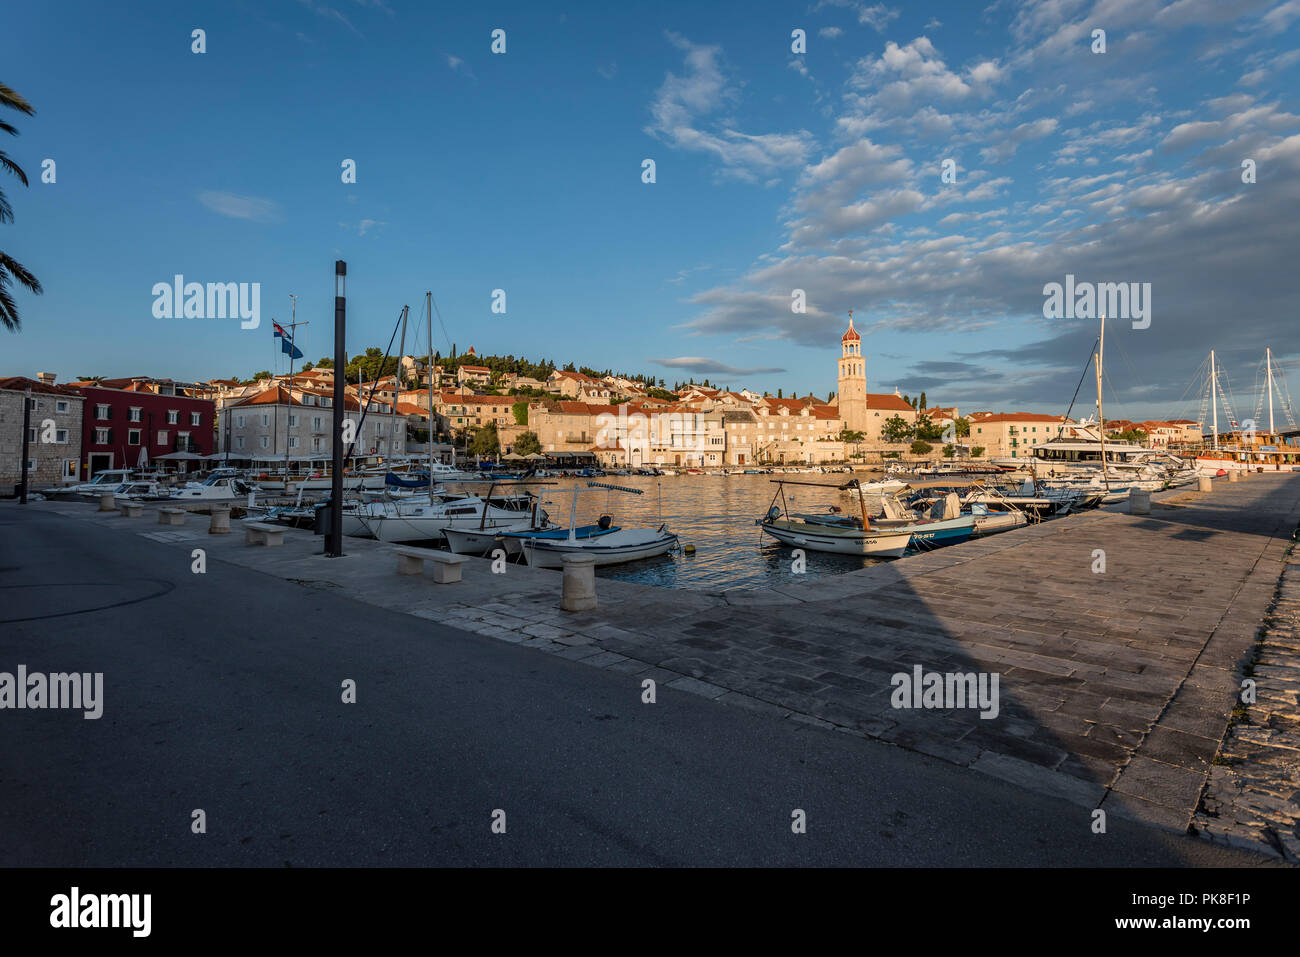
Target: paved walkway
1252	798
1115	686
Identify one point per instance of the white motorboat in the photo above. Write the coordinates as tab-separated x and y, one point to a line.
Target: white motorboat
105	481
611	548
415	520
841	539
223	485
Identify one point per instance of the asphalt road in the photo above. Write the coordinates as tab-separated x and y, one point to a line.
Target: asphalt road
222	692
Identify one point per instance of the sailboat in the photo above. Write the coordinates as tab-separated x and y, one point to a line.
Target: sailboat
606	544
1241	454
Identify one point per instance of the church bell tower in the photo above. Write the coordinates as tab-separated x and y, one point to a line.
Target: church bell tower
852	394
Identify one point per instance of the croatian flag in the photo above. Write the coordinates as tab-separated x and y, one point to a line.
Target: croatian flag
286	342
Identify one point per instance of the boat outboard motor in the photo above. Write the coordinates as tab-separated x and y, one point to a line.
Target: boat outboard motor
773	513
604	522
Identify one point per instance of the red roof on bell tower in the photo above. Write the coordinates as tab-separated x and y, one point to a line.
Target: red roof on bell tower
851	333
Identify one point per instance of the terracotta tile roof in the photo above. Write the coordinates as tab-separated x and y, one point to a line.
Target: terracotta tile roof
888	401
21	383
1022	417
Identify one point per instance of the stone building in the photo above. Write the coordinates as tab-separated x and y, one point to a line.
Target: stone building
54	435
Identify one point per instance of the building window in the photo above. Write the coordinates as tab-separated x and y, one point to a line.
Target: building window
61	436
183	439
293	421
196	418
315	444
61	405
173	417
239	442
133	414
266	419
315	424
133	437
102	411
162	436
266	442
239	421
102	436
31	465
293	441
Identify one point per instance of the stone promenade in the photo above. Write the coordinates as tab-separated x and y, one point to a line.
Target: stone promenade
1118	639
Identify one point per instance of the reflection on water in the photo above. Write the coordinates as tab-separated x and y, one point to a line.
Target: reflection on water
716	514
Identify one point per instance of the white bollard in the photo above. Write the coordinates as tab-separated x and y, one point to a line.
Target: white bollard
1233	475
1139	502
578	591
106	503
220	524
1205	483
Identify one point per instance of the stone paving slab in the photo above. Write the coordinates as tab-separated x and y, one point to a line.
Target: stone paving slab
1114	687
1252	796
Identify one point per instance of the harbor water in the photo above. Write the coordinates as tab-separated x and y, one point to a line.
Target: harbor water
714	513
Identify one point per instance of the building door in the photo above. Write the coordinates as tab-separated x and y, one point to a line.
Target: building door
98	462
740	459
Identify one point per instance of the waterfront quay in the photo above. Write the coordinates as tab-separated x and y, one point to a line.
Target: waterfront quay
1120	643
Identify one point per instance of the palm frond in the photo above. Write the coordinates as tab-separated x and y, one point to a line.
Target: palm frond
15	101
6	211
11	266
13	167
8	127
8	310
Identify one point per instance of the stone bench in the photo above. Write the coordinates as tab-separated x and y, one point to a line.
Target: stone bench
106	501
446	566
131	509
171	516
261	533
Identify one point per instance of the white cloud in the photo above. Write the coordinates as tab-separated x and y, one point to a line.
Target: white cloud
240	207
682	102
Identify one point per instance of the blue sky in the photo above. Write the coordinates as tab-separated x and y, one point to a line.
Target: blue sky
775	171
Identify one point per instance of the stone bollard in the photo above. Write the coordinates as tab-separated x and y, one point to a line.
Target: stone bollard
220	524
106	502
1233	476
132	510
578	591
290	489
1205	483
1139	502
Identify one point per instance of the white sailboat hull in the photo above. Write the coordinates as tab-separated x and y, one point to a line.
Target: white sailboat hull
616	548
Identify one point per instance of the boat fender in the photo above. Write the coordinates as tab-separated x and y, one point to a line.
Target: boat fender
688	549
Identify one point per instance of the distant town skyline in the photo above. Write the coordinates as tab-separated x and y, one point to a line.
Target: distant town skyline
932	167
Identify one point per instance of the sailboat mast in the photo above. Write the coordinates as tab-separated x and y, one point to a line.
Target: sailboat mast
1268	353
397	391
428	315
1101	418
1214	399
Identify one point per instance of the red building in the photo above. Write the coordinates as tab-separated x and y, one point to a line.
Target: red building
127	422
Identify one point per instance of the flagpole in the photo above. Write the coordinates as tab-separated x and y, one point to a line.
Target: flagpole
293	348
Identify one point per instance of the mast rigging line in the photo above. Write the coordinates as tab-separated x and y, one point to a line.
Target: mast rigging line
366	408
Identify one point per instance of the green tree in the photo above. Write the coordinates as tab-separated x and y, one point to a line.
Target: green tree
780	394
977	452
907	400
520	409
325	363
921	448
949	451
10	268
896	429
962	427
307	368
922	404
527	444
259	376
485	441
926	428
